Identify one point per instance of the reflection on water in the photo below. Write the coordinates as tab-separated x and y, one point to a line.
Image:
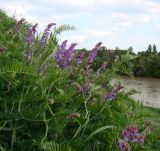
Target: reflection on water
149	88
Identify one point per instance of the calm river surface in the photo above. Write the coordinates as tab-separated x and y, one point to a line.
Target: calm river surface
149	88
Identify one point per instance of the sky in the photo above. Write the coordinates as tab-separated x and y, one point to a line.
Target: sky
116	23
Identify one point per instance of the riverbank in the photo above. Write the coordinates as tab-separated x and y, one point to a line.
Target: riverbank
147	90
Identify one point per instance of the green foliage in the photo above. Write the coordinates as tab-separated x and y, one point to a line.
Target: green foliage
46	110
52	146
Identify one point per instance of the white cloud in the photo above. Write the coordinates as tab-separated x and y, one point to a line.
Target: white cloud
125	24
98	34
19	11
144	19
95	19
158	27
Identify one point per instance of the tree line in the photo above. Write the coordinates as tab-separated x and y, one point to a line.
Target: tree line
146	63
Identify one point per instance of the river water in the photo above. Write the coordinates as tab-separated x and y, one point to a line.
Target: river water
149	89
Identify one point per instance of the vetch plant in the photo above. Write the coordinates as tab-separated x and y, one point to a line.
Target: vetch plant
57	98
64	56
46	34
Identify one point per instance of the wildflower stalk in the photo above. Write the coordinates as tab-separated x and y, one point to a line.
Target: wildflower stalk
52	113
87	112
47	128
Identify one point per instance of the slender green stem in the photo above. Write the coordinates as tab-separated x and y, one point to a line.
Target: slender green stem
20	102
47	128
13	137
3	125
30	119
85	104
52	113
87	112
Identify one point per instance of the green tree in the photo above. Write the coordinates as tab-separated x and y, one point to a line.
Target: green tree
149	50
130	49
154	48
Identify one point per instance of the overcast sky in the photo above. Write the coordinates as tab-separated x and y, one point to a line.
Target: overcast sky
121	23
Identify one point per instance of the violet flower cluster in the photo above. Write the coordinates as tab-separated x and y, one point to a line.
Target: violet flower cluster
31	34
64	56
46	34
94	52
85	86
130	134
92	57
79	58
112	93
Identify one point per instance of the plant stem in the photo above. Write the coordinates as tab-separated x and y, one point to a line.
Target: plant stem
46	131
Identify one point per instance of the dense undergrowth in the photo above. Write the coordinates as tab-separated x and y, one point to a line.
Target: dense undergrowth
51	99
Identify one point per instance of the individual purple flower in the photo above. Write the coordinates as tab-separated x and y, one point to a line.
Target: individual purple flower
79	58
124	146
133	129
86	71
125	134
18	25
31	34
133	138
141	139
85	86
46	34
111	95
103	85
94	52
64	56
104	65
41	69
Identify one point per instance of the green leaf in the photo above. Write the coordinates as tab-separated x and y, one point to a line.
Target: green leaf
98	131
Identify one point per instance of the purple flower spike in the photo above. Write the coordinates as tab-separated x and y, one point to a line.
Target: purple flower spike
79	58
86	71
94	52
30	34
111	96
46	34
63	45
64	56
85	86
71	49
